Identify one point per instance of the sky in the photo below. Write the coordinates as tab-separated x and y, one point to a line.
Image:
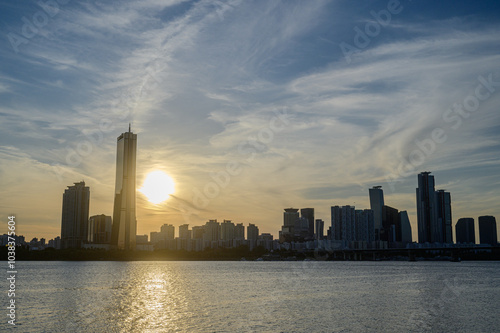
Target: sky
250	106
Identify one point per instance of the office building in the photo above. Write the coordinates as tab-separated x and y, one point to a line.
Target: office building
308	214
124	218
75	216
443	215
428	228
252	235
99	229
404	222
487	230
239	231
320	226
391	229
464	231
376	204
288	229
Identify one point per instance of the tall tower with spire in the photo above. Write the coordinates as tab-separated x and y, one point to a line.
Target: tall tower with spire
124	219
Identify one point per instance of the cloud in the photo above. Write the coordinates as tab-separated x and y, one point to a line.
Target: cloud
201	82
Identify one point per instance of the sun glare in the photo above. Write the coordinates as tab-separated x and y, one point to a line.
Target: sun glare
157	187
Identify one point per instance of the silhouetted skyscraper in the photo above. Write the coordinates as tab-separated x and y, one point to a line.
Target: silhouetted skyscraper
99	229
168	231
365	230
227	230
406	236
184	232
252	235
320	225
487	230
343	223
464	231
428	228
391	229
75	215
308	213
239	231
124	219
443	215
377	204
288	229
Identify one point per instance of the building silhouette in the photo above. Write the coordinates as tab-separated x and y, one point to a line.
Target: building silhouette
239	232
487	230
288	229
365	226
343	225
391	228
75	215
308	214
99	229
464	231
320	226
404	222
184	232
443	215
124	218
227	230
252	234
377	204
428	229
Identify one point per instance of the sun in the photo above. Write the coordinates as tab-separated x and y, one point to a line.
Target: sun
157	187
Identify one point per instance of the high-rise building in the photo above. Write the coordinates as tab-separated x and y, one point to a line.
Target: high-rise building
288	229
391	229
487	230
428	228
443	215
75	215
167	231
252	235
184	232
239	231
99	229
198	232
377	204
124	219
212	231
308	214
227	230
320	226
365	226
464	231
343	223
405	225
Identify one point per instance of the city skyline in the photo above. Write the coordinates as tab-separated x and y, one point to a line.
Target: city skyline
250	108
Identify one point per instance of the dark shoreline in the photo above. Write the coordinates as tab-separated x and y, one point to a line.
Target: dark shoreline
243	254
